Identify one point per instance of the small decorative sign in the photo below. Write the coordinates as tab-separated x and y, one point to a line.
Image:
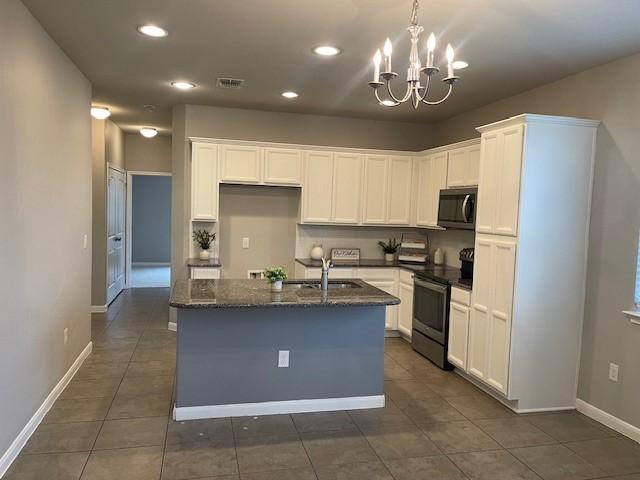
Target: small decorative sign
345	254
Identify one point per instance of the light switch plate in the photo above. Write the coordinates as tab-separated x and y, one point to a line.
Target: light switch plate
613	372
245	242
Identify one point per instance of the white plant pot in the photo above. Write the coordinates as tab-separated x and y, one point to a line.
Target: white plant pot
276	286
205	254
389	257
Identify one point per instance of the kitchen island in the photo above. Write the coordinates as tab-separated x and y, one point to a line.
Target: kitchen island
244	350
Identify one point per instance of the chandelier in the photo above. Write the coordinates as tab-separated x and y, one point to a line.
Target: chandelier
416	91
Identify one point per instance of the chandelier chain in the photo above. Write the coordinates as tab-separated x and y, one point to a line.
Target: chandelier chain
414	13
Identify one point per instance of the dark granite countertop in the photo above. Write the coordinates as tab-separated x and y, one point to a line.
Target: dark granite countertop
198	263
439	273
228	293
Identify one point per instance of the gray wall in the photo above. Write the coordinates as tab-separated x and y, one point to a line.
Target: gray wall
151	219
267	216
147	154
240	124
45	209
610	93
107	147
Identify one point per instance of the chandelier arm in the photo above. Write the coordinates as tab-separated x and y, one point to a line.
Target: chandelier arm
425	89
442	99
395	104
393	97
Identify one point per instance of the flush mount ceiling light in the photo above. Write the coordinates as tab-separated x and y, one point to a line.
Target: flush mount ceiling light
416	91
100	113
180	85
148	132
290	95
460	64
326	50
152	31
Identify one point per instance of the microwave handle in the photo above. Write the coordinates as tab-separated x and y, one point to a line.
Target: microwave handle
464	208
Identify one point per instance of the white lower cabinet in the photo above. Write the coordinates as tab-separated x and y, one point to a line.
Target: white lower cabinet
405	309
459	314
204	273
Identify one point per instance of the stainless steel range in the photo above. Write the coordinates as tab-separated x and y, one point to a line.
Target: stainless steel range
431	295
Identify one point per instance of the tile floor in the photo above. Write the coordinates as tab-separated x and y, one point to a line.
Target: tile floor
143	276
113	422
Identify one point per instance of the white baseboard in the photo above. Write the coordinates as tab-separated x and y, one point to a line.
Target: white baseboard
98	308
274	408
17	445
150	264
172	326
609	420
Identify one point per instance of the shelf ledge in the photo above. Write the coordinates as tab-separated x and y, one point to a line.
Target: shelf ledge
633	316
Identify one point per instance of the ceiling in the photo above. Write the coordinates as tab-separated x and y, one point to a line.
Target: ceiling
511	45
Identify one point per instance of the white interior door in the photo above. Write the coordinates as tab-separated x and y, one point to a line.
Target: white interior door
116	241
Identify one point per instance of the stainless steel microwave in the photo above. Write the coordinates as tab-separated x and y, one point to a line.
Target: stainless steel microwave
457	208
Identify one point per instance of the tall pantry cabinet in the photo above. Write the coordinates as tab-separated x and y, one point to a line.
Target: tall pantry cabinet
530	258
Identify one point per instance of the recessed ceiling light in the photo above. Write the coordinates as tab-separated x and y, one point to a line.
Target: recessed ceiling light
153	31
183	85
388	103
459	65
289	94
100	113
148	132
327	50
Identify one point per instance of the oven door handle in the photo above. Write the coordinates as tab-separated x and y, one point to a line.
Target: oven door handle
430	286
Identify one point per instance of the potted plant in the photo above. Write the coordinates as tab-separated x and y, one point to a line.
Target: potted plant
204	239
275	276
389	249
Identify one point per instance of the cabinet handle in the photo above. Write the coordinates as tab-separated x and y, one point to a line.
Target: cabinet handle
464	208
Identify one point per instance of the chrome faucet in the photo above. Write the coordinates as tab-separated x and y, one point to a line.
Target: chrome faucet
324	279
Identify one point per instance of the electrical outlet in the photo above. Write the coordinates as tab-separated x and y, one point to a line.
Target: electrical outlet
66	335
245	242
613	372
283	358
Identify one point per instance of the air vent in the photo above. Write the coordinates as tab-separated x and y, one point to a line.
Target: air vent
232	83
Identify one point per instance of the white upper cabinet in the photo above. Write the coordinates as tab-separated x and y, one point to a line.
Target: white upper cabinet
499	189
432	177
464	165
282	166
241	164
347	178
374	211
317	192
399	190
204	188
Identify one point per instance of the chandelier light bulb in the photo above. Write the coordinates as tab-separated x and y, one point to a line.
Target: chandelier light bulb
387	55
431	42
377	58
450	53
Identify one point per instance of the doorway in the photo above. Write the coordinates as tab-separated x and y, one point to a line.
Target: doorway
148	262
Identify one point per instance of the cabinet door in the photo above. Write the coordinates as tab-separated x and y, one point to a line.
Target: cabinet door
347	179
499	347
480	304
389	286
423	198
510	158
473	165
204	182
489	181
458	335
399	198
437	182
499	187
374	196
317	192
282	166
457	168
405	309
240	164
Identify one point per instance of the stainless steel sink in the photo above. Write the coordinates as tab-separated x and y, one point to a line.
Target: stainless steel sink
316	285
